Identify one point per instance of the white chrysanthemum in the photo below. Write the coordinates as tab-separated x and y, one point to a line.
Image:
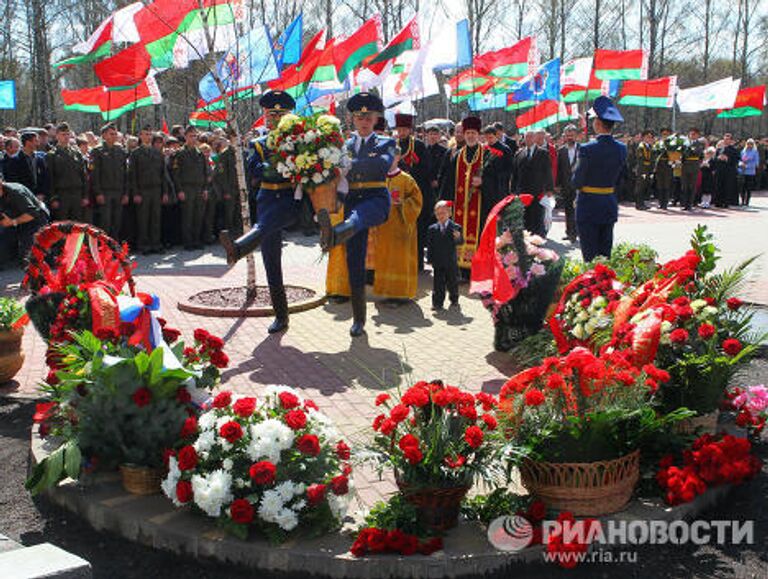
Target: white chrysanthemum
317	178
241	483
271	504
298	506
227	464
169	482
269	439
338	505
205	440
207	421
287	520
212	492
286	490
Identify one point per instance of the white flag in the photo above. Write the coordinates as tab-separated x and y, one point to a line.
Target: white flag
720	94
576	72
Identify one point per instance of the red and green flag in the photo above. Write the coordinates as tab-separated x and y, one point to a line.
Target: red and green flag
208	119
407	39
620	64
749	103
350	53
657	93
467	83
513	62
546	113
125	69
112	103
574	93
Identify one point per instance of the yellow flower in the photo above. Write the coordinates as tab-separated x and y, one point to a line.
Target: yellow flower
287	122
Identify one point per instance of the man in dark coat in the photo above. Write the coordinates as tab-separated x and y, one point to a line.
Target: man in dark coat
567	157
533	175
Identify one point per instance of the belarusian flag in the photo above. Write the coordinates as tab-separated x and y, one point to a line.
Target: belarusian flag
657	93
349	53
514	61
112	103
620	64
749	103
572	93
469	82
208	119
545	114
125	69
296	78
406	39
514	105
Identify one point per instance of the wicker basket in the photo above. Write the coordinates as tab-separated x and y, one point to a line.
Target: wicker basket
324	197
704	424
584	488
11	356
141	480
438	508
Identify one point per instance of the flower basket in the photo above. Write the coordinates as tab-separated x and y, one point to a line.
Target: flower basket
11	356
141	480
438	508
703	424
324	197
584	488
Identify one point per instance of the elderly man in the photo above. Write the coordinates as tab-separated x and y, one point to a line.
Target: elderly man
567	157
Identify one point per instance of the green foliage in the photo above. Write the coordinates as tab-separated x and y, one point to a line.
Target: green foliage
396	513
634	264
10	311
498	503
533	349
61	463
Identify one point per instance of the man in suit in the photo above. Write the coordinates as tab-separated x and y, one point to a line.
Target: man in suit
567	157
438	155
367	202
498	171
22	167
533	175
727	173
598	172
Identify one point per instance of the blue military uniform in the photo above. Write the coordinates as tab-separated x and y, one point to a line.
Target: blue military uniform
597	174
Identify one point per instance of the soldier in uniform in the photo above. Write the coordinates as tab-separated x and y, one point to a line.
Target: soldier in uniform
597	174
190	171
644	169
665	178
692	158
109	180
67	175
277	210
367	202
225	185
146	184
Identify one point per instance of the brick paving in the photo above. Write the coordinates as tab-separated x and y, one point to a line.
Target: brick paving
317	355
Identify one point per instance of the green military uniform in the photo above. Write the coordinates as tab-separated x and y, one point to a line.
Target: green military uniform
67	173
225	185
209	207
146	178
692	157
628	188
189	169
644	168
664	177
109	180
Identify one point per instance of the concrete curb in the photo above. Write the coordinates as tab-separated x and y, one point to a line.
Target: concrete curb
252	312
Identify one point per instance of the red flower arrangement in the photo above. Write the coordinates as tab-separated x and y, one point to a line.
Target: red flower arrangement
372	540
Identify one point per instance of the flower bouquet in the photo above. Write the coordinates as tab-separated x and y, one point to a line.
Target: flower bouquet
515	275
435	438
309	151
277	465
751	407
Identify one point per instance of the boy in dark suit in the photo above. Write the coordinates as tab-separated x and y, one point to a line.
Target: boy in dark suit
442	239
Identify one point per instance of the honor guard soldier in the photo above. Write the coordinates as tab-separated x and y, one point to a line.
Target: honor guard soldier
644	167
146	184
597	174
67	172
277	209
190	171
367	202
109	180
692	158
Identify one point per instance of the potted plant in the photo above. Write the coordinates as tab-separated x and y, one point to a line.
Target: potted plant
11	355
580	421
436	439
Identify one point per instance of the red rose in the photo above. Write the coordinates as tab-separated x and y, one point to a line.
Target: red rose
142	397
288	400
184	491
490	421
187	458
534	397
340	485
537	511
308	444
399	413
343	450
296	419
167	454
244	407
410	545
214	343
395	540
170	335
183	396
706	331
732	346
201	335
315	494
231	431
219	359
222	399
734	303
241	511
382	398
679	336
263	472
190	427
474	436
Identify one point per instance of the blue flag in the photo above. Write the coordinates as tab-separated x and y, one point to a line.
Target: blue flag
287	49
463	44
487	102
7	94
543	85
248	62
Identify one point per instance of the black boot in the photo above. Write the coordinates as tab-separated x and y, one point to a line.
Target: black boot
332	236
358	312
280	305
242	246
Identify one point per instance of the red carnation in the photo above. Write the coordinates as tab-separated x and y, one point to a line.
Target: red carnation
142	397
382	398
263	472
190	427
296	419
490	421
388	426
679	336
241	511
308	444
474	436
399	413
534	397
201	335
219	359
343	450
732	346
457	463
187	458
288	400
706	331
222	399
231	431
315	494
378	421
214	343
734	303
340	485
184	491
244	407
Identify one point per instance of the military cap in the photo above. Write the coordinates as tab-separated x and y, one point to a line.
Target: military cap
604	109
570	127
403	120
471	124
107	127
62	127
277	100
365	102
